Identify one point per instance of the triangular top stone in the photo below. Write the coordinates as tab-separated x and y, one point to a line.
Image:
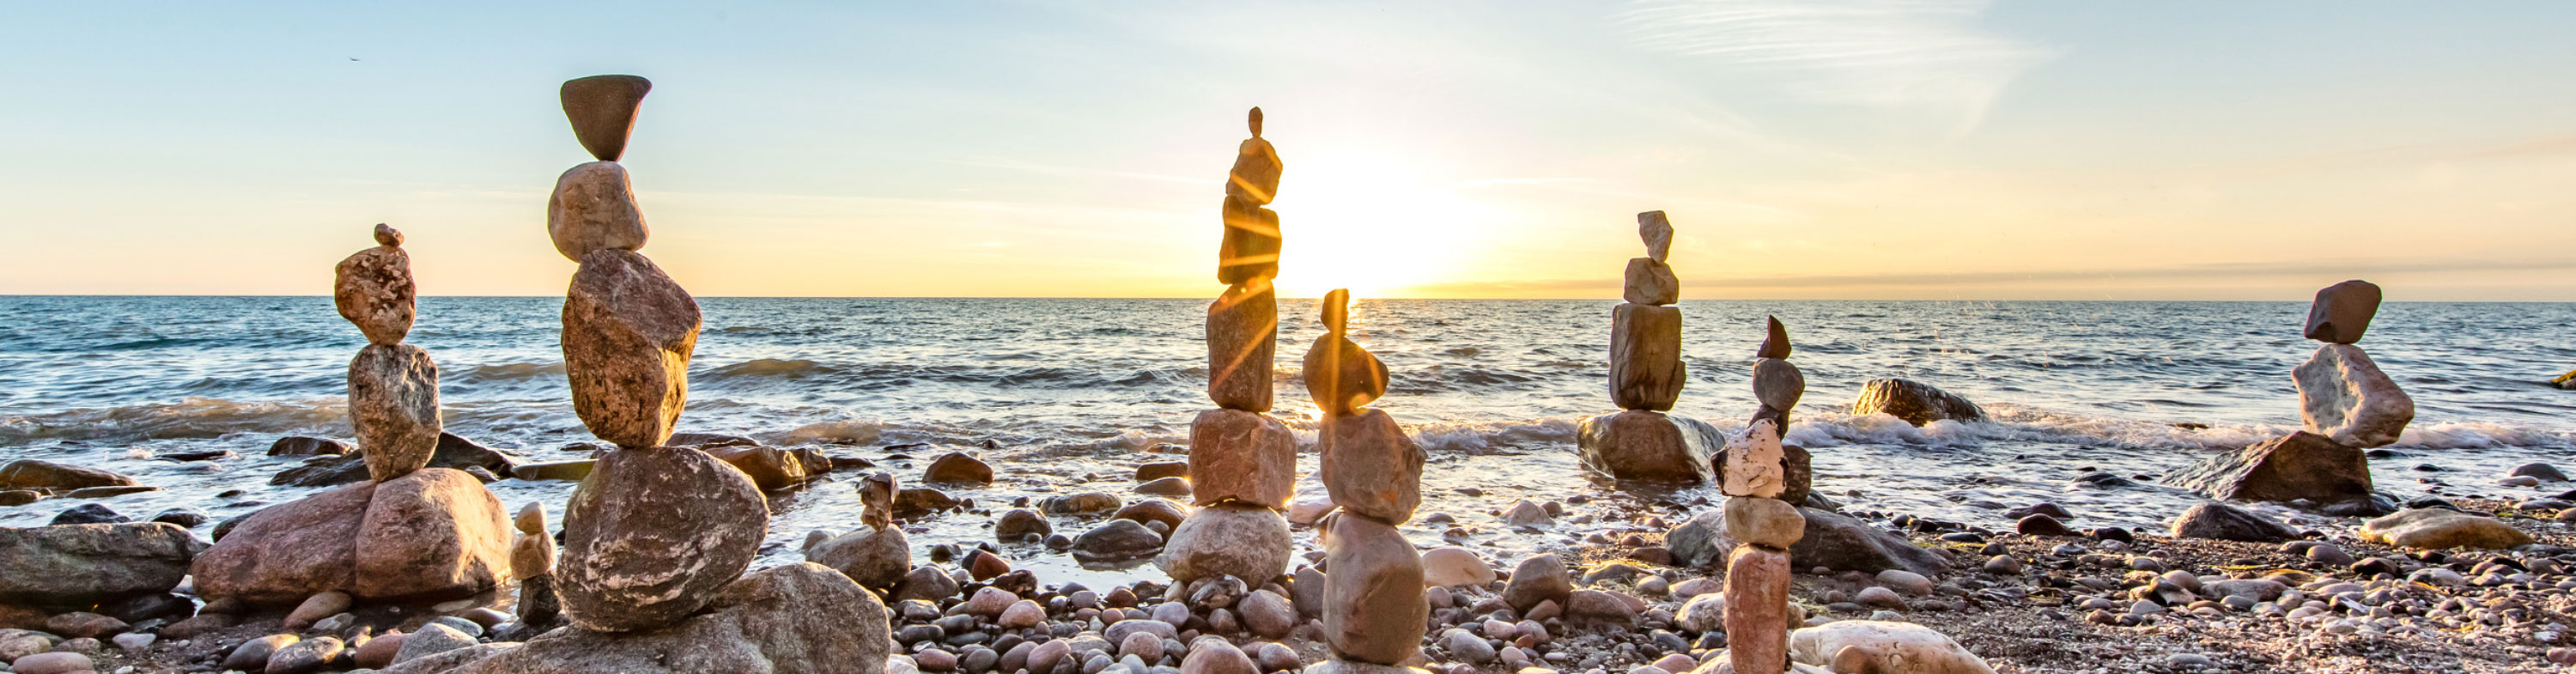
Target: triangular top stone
1775	344
602	109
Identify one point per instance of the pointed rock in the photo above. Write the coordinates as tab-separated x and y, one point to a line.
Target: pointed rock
1775	342
2342	312
602	109
1658	233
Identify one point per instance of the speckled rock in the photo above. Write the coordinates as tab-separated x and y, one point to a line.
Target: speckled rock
653	535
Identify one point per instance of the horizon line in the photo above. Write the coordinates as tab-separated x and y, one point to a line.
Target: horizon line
1179	297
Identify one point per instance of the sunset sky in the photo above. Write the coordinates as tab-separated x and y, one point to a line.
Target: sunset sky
1929	149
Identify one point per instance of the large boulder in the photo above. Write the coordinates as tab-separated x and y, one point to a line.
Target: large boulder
2344	396
654	534
47	476
1832	540
1915	402
1244	541
80	564
1876	647
2440	528
628	333
2230	523
435	533
1650	446
453	451
2300	465
793	619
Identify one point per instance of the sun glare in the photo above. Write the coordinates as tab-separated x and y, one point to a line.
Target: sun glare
1372	221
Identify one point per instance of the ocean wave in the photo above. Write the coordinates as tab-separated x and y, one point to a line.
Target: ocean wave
1495	437
770	367
847	432
509	372
188	418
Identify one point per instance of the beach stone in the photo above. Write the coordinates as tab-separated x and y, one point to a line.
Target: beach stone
1657	231
1646	370
2442	528
284	553
1869	646
593	209
539	604
317	607
1373	604
958	467
2300	465
40	475
1915	402
1757	604
1267	613
1244	541
1117	541
1766	522
1177	487
1597	606
1797	474
297	445
1455	566
1756	463
874	558
2228	523
431	639
452	451
1016	524
792	618
1249	251
1540	578
1243	342
1255	176
2342	312
305	657
1341	376
1778	385
653	535
1241	456
84	625
1370	466
89	513
378	652
2538	471
602	110
2345	397
393	403
1651	446
435	533
769	468
627	337
1651	282
554	470
1775	341
1149	511
1838	542
1162	469
253	655
59	662
373	289
1078	504
879	494
1215	656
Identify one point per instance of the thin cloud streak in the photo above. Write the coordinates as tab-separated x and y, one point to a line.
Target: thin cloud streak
2231	270
1883	53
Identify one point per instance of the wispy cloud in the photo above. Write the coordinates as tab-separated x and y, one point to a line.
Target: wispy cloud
2226	271
1922	54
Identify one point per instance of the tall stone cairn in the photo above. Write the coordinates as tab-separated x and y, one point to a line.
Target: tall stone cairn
1759	474
654	532
393	387
1645	442
2346	406
1243	462
1374	611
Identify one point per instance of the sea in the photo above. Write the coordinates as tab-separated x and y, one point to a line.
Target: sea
1065	395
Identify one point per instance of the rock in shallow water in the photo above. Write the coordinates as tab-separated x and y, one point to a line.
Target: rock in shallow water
39	475
874	558
653	535
1116	541
1651	446
2229	523
2300	465
1915	402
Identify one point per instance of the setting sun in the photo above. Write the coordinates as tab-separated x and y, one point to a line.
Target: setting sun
1374	221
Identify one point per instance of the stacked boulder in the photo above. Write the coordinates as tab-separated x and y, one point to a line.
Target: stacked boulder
1756	480
1243	462
1374	610
2346	406
1646	442
410	531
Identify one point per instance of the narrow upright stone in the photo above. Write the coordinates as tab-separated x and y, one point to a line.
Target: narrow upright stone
876	500
1757	607
1255	177
1646	371
373	289
1775	341
628	333
1651	282
593	209
1371	467
1658	233
2342	312
1242	341
393	404
1374	609
602	109
653	534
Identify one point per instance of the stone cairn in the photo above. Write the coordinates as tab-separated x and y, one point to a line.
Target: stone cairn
1243	462
532	556
2346	406
1374	611
393	387
1644	442
877	554
1758	477
654	532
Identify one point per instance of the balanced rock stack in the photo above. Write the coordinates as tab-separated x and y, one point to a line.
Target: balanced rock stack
1759	513
410	532
532	557
877	554
654	532
2346	405
1243	462
1374	611
1645	442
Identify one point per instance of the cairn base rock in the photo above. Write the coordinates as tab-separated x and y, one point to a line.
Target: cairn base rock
794	619
1374	609
1245	541
654	534
1757	609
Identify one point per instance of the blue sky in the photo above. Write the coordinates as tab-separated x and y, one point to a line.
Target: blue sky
1932	149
